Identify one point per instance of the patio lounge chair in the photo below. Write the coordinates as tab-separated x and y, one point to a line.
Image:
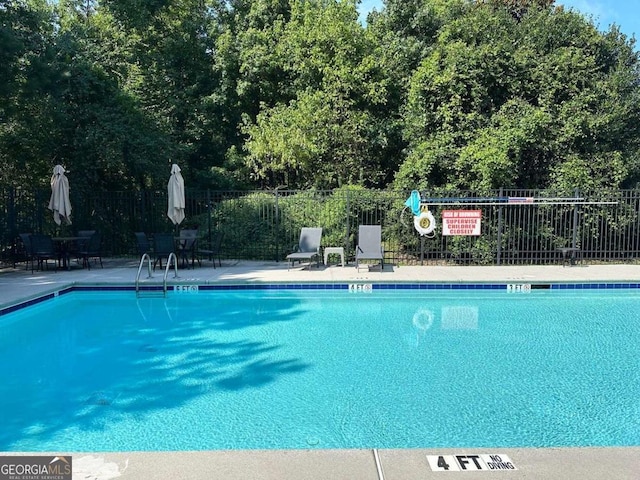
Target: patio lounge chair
369	245
308	246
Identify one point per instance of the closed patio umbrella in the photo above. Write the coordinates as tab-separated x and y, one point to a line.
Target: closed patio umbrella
176	195
59	201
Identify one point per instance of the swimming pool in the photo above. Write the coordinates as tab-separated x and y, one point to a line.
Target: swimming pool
263	369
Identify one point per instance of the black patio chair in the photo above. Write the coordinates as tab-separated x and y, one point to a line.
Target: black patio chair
72	248
187	245
81	243
213	250
91	249
163	247
43	249
24	250
143	244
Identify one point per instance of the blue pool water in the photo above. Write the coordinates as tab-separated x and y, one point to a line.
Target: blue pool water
314	369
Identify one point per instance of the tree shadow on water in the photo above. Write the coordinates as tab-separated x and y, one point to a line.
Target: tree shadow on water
260	372
86	369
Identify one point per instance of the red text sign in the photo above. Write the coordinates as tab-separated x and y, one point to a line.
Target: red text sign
461	222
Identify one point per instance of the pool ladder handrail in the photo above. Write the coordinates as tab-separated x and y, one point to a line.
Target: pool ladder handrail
150	275
145	255
166	271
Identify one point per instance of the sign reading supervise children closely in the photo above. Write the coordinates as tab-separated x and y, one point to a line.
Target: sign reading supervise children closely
461	222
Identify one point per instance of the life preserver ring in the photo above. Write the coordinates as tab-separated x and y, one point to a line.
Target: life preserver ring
423	319
425	223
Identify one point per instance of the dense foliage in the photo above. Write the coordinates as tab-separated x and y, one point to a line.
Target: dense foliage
429	94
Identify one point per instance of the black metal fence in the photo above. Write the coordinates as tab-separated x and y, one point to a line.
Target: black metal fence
264	225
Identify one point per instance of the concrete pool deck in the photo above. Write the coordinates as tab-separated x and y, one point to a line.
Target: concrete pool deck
366	464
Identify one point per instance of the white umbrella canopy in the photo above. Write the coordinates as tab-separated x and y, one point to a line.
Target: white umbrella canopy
176	196
59	201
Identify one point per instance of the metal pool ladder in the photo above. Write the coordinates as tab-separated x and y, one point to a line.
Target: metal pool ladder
149	275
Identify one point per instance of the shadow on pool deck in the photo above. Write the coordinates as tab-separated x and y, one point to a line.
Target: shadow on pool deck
532	463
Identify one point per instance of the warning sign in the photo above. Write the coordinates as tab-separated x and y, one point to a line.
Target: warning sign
470	463
461	222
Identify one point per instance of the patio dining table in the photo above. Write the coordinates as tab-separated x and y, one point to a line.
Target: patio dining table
65	247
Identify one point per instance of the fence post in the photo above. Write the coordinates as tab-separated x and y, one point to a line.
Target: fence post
499	249
39	212
209	217
277	227
574	238
346	216
144	224
12	222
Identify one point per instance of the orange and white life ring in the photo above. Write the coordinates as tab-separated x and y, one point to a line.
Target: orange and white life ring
425	223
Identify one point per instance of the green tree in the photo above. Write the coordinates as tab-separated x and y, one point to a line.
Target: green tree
517	8
504	100
103	133
432	93
322	137
181	65
26	108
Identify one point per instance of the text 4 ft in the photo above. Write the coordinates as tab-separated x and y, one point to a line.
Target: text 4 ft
470	463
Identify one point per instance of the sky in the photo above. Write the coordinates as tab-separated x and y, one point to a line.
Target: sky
624	13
